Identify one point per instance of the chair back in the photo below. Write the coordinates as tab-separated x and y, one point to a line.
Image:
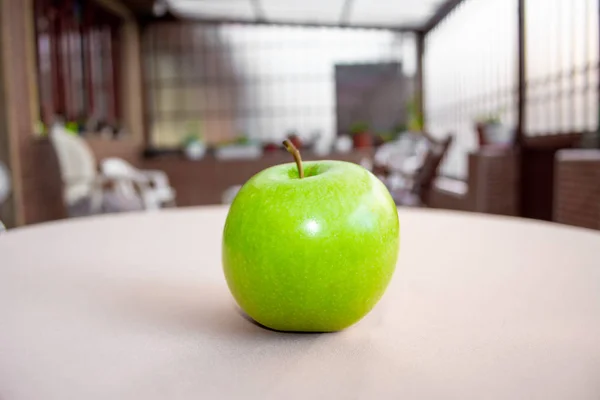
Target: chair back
77	164
392	155
425	176
122	174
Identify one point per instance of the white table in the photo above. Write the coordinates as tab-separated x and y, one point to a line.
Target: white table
136	307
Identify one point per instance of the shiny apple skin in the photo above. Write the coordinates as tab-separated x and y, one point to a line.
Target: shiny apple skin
313	254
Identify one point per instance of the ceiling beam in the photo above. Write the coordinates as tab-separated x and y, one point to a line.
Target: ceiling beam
220	21
441	13
346	12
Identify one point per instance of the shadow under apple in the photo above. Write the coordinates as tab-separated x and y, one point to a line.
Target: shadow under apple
193	308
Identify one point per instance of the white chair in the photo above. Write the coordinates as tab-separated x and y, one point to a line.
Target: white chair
86	191
401	159
82	185
153	186
411	170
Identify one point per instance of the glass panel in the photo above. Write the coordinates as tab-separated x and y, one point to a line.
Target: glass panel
393	12
472	81
231	9
562	45
77	67
260	81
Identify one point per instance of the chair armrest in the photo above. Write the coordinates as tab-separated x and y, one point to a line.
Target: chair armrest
157	178
101	183
140	182
96	180
103	180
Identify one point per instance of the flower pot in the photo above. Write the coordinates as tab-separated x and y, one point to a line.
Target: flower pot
498	134
195	150
362	140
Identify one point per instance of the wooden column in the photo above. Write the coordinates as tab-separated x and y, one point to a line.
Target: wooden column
420	88
521	74
598	105
34	168
7	210
524	190
14	99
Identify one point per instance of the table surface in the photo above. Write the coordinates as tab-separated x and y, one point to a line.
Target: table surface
136	307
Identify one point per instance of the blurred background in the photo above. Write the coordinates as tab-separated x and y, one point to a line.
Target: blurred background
124	105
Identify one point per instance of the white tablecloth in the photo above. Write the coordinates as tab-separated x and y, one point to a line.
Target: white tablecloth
136	307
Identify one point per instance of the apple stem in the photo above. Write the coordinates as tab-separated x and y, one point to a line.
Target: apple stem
289	146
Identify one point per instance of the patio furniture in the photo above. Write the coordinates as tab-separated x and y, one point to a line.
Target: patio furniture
88	192
136	307
397	161
417	171
151	185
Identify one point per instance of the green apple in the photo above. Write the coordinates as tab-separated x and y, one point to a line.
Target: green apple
312	254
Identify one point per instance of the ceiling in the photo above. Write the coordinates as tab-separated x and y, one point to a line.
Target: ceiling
393	14
390	14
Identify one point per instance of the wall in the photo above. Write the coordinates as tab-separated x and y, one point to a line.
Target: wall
204	182
377	93
18	123
7	210
37	187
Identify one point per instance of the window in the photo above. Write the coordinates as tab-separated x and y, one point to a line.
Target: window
78	59
260	82
562	66
471	73
471	70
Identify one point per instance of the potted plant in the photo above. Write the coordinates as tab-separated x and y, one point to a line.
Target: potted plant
415	117
361	137
193	144
491	130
